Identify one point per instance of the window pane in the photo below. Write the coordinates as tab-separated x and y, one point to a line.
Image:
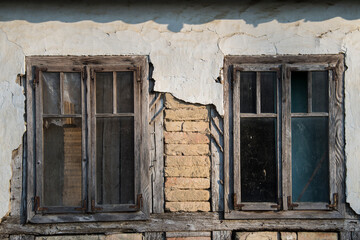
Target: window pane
320	91
72	93
299	92
62	162
51	92
258	160
248	92
268	92
125	92
115	160
104	92
310	160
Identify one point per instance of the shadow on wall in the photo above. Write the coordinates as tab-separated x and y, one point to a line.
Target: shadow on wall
177	13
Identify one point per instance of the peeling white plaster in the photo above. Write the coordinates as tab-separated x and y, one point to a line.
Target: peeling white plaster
185	44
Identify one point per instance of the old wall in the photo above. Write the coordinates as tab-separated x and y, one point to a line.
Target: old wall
186	44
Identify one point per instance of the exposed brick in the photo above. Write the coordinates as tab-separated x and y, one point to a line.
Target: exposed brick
198	126
187	206
317	236
187	161
186	114
256	236
175	126
186	138
195	172
124	236
288	236
172	102
187	149
189	238
187	183
177	195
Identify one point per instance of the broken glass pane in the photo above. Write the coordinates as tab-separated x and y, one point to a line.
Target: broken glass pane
115	160
258	160
320	91
299	92
248	92
104	92
310	159
72	93
62	162
51	92
268	92
125	92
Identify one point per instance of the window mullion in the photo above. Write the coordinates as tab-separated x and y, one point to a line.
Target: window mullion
286	135
258	93
309	85
332	141
236	135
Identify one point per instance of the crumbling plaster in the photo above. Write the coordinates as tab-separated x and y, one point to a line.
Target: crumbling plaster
186	45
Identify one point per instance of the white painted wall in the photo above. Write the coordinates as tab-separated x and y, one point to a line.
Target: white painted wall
185	43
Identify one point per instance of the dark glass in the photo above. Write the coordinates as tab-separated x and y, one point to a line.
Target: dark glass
268	92
299	92
310	159
320	91
125	92
104	92
115	160
72	93
258	160
51	92
62	162
248	92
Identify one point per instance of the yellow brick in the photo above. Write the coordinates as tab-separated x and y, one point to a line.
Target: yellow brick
186	138
195	172
187	149
187	206
186	114
187	183
177	195
317	236
187	161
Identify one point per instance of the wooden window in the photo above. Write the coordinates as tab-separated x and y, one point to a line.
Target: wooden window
284	136
87	139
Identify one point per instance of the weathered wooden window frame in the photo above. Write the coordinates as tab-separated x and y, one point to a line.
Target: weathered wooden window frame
283	65
87	66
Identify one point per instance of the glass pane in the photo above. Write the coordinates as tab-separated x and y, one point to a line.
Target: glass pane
299	92
115	160
104	92
72	93
125	92
258	160
248	92
268	92
310	159
320	91
62	162
51	92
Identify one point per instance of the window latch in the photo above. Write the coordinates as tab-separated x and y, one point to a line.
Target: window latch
93	208
139	203
237	206
334	205
277	206
83	207
37	205
290	204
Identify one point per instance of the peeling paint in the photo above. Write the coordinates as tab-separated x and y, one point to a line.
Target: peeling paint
185	44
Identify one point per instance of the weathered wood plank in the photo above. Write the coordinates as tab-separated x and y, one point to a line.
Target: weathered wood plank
188	234
217	162
172	222
154	236
221	235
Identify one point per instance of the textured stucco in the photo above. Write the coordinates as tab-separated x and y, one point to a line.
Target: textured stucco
186	44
